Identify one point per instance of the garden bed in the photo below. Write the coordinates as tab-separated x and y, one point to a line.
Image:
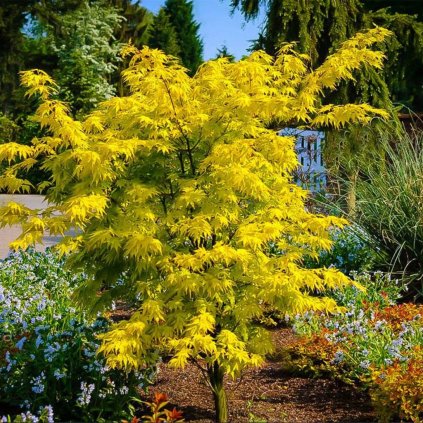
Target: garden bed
268	395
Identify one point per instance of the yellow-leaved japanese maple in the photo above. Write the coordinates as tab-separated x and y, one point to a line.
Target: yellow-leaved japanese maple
182	188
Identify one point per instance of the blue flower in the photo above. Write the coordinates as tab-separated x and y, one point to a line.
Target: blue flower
50	413
339	357
38	385
379	324
84	397
365	364
59	375
20	343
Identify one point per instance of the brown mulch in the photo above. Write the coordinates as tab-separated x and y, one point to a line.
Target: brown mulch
266	395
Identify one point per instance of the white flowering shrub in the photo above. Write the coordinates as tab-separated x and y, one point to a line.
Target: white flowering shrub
48	347
87	55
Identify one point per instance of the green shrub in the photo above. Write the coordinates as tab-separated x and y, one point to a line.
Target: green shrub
8	129
349	252
23	130
48	347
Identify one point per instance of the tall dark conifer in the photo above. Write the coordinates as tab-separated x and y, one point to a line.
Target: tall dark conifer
320	26
181	16
224	52
136	23
12	19
163	34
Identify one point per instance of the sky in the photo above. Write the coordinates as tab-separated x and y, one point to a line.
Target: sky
218	27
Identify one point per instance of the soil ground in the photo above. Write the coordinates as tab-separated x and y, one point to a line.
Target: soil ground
266	395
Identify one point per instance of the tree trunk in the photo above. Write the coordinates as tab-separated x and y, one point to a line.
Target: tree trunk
216	373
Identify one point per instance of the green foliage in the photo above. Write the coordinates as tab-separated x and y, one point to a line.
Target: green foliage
49	12
409	7
8	132
136	22
133	28
349	253
23	133
181	16
347	152
48	348
319	26
45	415
223	52
389	205
41	34
8	129
163	35
404	65
12	19
87	56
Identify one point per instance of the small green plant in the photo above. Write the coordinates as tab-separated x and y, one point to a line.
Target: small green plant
252	418
45	415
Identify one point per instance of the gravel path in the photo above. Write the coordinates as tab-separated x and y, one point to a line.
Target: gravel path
9	234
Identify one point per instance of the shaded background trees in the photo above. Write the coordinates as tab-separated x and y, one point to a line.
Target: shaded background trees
163	34
176	32
181	16
12	19
77	41
87	54
320	26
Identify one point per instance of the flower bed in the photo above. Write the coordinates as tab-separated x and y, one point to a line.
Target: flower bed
373	341
48	347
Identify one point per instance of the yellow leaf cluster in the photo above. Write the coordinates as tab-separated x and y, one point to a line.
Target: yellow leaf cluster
182	188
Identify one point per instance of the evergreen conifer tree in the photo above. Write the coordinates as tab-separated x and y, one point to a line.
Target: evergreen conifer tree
12	19
163	35
181	16
223	52
136	23
320	26
409	7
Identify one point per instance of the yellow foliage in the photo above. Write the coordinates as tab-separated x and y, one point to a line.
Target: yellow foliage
181	187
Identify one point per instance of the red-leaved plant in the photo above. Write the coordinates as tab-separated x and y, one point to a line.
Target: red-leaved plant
158	413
